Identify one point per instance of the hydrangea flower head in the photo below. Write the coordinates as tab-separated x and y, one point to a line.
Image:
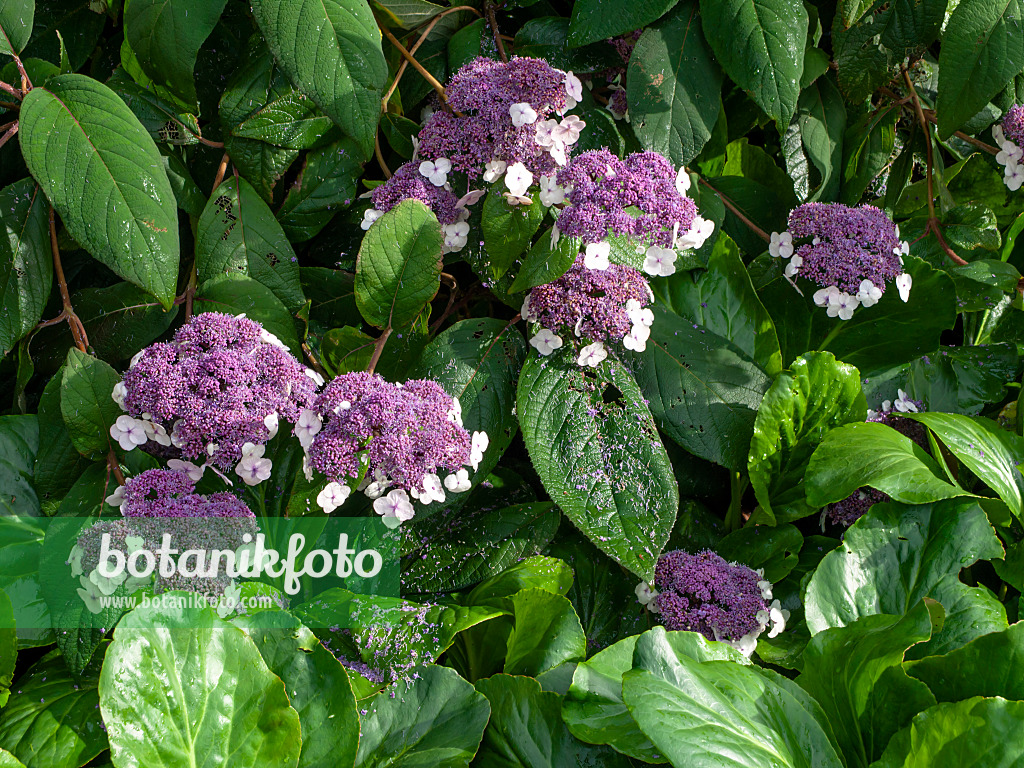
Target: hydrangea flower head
600	305
1010	138
403	436
222	384
705	593
602	187
852	253
408	182
507	112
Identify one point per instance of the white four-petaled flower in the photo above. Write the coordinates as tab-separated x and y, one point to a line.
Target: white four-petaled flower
868	294
128	432
903	284
494	169
478	444
458	482
522	114
518	179
781	245
333	496
395	508
253	468
698	233
550	192
307	426
546	341
370	215
596	256
436	171
592	355
659	261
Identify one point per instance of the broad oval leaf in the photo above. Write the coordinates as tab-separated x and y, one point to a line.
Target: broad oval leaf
331	50
26	265
16	25
594	20
86	404
398	271
508	229
327	184
547	633
102	172
594	444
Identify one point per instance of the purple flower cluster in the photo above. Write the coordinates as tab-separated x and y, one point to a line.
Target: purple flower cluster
407	182
602	305
504	116
1013	125
161	493
851	252
721	600
397	436
217	391
602	188
1010	138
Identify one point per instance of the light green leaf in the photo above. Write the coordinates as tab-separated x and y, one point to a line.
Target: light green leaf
544	264
16	25
86	404
327	184
990	665
547	633
508	229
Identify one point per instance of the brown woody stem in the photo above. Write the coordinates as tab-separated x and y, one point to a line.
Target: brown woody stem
77	329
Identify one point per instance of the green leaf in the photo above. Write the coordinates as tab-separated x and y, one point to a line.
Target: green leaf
120	319
760	45
547	38
166	36
970	613
982	48
57	462
86	404
894	556
546	573
547	633
16	25
990	665
817	394
292	122
724	714
985	448
116	202
7	760
8	647
52	718
703	391
867	149
164	121
544	264
399	265
331	50
20	546
437	720
594	444
821	121
968	734
26	265
316	683
775	549
594	20
235	294
327	184
674	86
347	349
183	687
878	456
857	676
508	229
238	234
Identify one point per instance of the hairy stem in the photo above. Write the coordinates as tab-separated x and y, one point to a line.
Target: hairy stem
378	348
77	329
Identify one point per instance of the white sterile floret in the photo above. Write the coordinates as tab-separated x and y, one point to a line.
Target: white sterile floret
766	589
637	337
645	594
253	468
683	182
478	445
546	341
1013	177
522	114
903	285
567	131
494	170
118	394
455	413
698	233
433	489
436	171
659	261
455	236
573	89
458	482
596	256
781	245
823	297
268	338
592	355
518	179
128	432
333	496
793	267
777	616
470	198
272	422
395	508
868	294
370	215
195	472
526	312
116	499
903	403
375	489
315	377
308	425
842	305
550	192
156	432
638	314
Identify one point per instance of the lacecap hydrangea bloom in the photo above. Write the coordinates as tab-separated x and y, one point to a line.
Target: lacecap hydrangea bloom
705	593
399	438
601	303
1010	138
213	396
852	253
846	512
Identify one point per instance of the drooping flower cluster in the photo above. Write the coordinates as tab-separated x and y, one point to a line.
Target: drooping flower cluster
705	593
155	504
1010	138
216	392
846	512
394	436
595	300
601	190
852	253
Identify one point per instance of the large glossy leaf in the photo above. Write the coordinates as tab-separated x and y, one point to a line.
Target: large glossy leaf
968	734
773	549
970	613
508	229
878	456
317	686
815	395
20	545
331	49
166	36
760	45
437	720
327	184
703	391
674	86
52	717
990	665
238	234
16	25
399	266
8	647
547	633
26	266
594	20
982	49
594	444
102	172
856	674
894	556
724	714
182	687
86	404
